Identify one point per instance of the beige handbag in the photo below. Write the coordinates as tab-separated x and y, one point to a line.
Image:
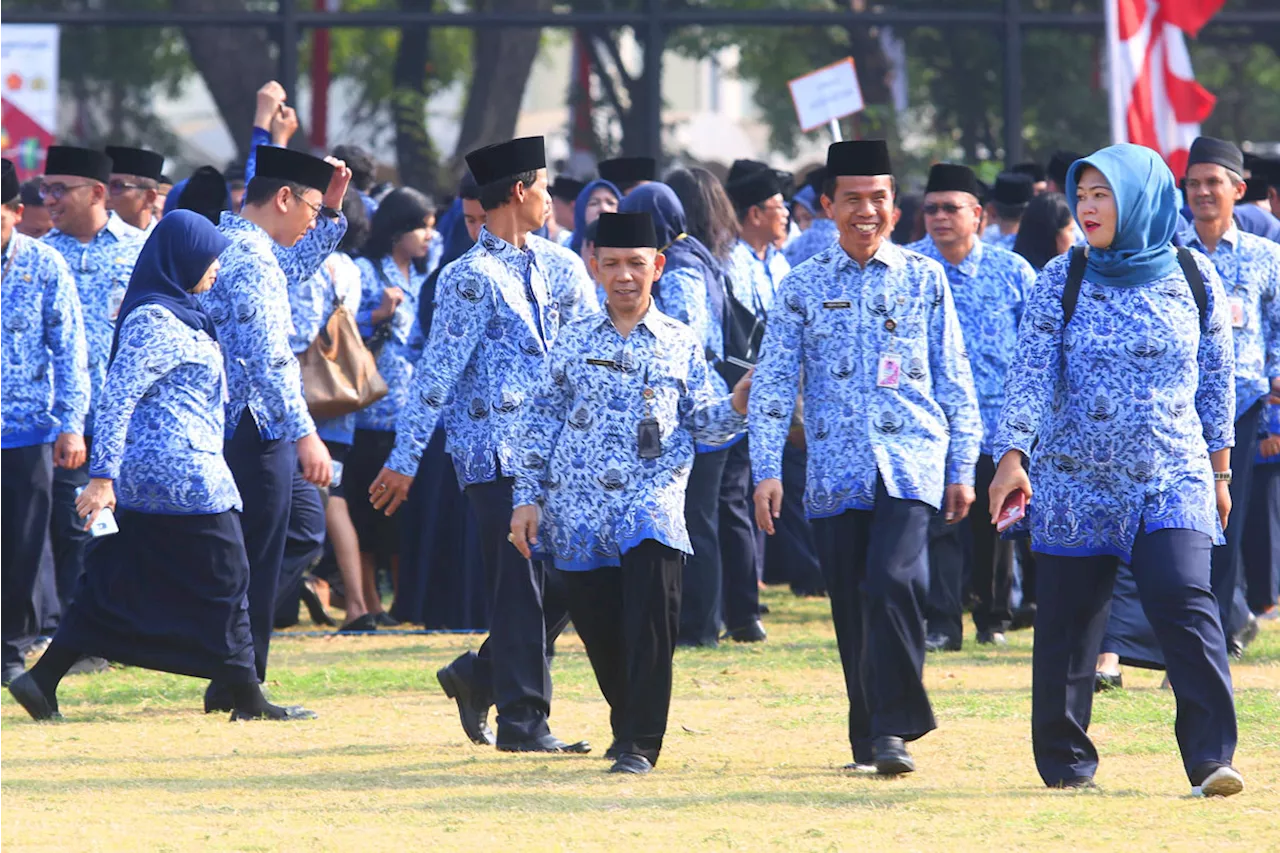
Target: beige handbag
339	374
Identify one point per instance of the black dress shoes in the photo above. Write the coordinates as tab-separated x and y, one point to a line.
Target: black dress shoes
941	643
474	719
1104	681
629	762
751	633
386	621
992	638
360	625
315	607
546	743
1079	783
218	698
31	697
891	757
612	752
1023	617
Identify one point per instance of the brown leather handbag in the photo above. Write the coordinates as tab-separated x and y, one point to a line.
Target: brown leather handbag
339	374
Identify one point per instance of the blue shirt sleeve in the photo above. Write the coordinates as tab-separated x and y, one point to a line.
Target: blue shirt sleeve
1216	392
953	386
65	340
774	389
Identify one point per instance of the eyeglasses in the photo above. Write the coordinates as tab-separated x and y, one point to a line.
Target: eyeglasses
55	192
315	208
118	187
949	209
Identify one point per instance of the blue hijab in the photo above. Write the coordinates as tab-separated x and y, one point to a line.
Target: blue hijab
681	250
457	242
173	260
1146	197
580	211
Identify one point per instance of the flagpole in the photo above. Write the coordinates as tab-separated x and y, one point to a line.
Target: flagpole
1115	76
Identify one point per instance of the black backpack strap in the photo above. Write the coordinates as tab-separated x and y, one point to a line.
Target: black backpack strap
1191	271
1075	277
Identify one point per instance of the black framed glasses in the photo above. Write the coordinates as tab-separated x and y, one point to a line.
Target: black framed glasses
315	208
119	187
949	209
56	192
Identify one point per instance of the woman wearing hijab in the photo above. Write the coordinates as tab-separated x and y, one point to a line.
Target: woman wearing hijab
1127	396
169	590
1047	229
596	198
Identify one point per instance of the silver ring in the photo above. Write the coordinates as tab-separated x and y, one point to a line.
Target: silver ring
382	487
511	537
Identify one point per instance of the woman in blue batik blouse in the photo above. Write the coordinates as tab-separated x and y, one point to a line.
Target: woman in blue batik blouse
169	590
1125	407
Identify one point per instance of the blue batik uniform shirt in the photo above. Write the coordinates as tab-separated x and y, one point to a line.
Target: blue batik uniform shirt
835	321
578	456
45	391
822	234
496	318
101	268
755	282
1119	413
1249	267
402	349
990	289
160	423
249	305
311	304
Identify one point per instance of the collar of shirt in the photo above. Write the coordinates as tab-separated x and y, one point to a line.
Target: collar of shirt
659	325
14	236
1231	238
968	267
233	224
769	252
520	259
116	229
887	255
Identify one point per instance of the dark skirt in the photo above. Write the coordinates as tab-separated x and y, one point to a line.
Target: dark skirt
168	592
442	583
1129	633
379	534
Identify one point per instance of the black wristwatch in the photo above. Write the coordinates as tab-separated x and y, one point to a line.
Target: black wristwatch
330	213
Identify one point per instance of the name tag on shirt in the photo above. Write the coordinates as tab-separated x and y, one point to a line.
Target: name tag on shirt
114	301
603	362
889	372
841	303
1237	312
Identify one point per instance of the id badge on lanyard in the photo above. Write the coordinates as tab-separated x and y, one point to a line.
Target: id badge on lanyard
648	433
889	370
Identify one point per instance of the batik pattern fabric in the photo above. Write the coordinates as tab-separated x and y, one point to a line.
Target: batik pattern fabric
102	268
249	306
570	283
496	319
1119	412
821	234
1249	267
401	348
755	282
578	454
848	330
990	289
42	354
160	422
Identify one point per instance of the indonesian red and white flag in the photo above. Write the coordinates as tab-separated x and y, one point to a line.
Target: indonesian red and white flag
1155	99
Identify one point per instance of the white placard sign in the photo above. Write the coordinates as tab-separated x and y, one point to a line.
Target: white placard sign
827	94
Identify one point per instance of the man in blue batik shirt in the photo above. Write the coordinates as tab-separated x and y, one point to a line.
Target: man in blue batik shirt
822	233
607	444
100	248
756	267
1249	267
893	432
990	288
269	429
497	316
43	406
1009	199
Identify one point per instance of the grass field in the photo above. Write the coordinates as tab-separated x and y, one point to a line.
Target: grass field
752	760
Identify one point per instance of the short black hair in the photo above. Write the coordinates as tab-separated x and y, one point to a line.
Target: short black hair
357	222
31	192
360	162
498	193
261	190
829	186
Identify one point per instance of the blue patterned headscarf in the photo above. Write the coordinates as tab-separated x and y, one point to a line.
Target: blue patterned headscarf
1146	198
580	211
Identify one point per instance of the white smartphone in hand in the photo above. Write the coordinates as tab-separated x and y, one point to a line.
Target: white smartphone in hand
104	524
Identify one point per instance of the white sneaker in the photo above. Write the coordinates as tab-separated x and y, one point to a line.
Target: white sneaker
1222	782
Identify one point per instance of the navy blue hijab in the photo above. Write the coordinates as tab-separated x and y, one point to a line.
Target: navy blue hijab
580	211
682	250
173	260
457	242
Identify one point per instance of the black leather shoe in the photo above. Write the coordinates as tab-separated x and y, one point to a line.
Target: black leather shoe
546	743
891	756
359	625
31	697
315	608
1237	643
1104	681
1079	783
941	643
281	714
1023	617
475	720
11	672
629	762
752	633
385	620
992	638
612	752
217	698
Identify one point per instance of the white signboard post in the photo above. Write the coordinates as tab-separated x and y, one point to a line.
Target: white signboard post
827	95
29	84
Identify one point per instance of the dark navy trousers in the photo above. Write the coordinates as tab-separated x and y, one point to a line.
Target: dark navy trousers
739	556
26	495
1228	560
703	580
66	529
303	546
791	554
877	570
1171	570
529	610
263	470
1262	539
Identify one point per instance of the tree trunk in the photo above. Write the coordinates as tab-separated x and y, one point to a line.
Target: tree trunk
234	64
415	155
503	58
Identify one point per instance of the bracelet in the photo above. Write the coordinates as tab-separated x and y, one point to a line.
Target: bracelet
1222	476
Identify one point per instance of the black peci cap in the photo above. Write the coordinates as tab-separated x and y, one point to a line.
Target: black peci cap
625	171
81	162
566	188
1012	188
625	231
294	167
755	188
1059	163
1256	188
11	188
505	159
136	161
1206	149
953	178
741	168
859	157
1032	170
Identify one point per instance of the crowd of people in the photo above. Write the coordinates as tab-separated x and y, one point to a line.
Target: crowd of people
629	402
